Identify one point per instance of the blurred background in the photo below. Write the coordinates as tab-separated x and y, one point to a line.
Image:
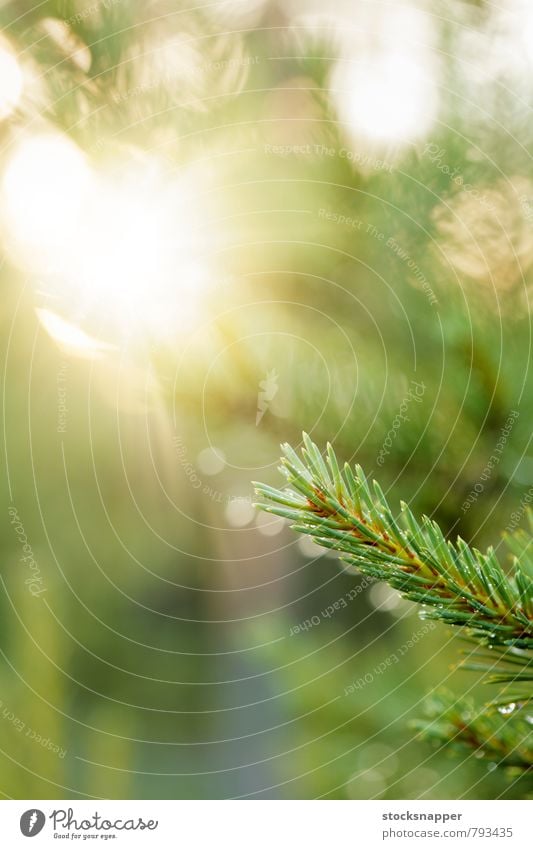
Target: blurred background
221	224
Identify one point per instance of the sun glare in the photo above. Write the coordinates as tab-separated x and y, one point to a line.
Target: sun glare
70	338
11	82
388	98
44	188
122	252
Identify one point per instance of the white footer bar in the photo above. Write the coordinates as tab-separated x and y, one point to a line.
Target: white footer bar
267	824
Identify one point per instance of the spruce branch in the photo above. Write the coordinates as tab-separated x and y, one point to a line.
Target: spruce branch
486	734
509	666
454	582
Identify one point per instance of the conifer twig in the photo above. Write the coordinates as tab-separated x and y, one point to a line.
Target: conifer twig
454	582
486	733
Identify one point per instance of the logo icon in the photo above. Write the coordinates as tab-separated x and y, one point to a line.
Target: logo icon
32	822
268	389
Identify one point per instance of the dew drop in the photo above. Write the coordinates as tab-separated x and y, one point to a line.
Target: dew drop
505	710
